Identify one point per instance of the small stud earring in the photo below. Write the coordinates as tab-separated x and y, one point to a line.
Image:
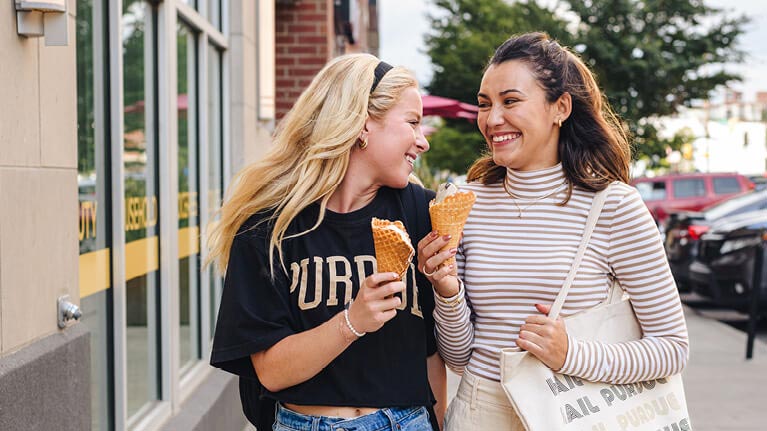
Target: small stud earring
363	144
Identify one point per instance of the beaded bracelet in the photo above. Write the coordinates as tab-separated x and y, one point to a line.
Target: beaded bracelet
349	322
455	299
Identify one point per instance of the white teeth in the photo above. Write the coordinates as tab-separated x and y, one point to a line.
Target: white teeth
506	137
410	159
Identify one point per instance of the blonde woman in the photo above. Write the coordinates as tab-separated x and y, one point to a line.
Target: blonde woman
333	342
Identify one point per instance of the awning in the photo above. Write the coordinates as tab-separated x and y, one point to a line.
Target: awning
448	108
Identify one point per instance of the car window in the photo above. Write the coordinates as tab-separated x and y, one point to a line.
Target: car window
652	190
726	185
740	204
689	187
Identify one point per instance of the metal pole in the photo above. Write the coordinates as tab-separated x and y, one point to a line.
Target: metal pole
756	287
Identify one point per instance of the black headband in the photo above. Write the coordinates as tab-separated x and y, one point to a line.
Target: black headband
380	71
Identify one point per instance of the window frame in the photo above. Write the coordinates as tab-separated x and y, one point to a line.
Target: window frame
651	187
188	379
175	388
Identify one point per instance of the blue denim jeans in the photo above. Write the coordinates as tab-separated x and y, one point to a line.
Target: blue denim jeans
389	419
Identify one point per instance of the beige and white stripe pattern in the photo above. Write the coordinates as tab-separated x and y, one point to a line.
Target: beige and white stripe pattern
509	264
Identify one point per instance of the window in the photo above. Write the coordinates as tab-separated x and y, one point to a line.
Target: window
188	198
689	188
127	295
94	177
726	185
740	204
652	190
214	13
142	206
215	164
192	3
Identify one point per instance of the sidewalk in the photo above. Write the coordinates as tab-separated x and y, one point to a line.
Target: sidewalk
725	392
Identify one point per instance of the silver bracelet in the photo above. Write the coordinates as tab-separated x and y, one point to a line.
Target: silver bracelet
349	322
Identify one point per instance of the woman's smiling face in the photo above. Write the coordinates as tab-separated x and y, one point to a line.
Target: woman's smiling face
518	123
396	140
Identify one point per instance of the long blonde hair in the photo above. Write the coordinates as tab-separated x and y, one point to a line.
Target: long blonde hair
310	152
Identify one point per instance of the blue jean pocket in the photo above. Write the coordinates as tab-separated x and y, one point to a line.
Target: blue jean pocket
418	421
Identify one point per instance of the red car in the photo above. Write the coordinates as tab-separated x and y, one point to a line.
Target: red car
688	192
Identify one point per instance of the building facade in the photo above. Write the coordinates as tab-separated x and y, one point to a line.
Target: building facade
727	135
115	149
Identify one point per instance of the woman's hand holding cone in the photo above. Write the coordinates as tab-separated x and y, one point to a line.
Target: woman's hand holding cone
375	304
431	262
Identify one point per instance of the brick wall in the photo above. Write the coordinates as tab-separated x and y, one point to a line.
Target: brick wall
303	46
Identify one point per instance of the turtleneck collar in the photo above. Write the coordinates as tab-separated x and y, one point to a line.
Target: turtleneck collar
533	184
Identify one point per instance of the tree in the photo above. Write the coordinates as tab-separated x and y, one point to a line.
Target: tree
653	56
86	151
465	34
650	56
454	147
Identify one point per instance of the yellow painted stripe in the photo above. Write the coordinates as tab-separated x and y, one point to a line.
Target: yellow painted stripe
94	272
141	257
188	241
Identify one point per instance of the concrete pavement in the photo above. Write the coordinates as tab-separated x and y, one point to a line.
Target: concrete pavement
725	392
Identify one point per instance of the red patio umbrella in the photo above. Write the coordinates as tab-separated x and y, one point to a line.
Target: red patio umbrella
448	108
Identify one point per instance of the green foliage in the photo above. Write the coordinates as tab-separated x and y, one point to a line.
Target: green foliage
86	153
465	35
675	143
653	56
650	56
424	173
455	146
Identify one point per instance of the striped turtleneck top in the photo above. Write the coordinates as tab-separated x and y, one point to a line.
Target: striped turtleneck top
517	248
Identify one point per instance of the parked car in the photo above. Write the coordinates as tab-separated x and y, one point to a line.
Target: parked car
760	181
724	266
688	192
683	229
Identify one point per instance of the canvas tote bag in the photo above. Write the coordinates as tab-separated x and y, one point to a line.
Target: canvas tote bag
549	401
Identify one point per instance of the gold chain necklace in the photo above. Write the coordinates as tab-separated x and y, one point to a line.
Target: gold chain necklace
535	200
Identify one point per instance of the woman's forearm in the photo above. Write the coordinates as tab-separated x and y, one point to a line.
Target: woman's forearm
454	330
438	382
299	357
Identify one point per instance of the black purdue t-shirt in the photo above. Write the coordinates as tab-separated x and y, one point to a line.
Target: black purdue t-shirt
325	267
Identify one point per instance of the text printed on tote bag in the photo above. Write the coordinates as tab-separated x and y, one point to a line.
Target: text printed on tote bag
611	397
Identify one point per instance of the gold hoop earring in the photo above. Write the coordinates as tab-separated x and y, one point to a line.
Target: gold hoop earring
363	144
559	123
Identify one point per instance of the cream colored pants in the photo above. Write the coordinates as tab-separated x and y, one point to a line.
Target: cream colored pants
481	405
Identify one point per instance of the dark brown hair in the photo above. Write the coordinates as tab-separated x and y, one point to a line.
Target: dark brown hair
593	145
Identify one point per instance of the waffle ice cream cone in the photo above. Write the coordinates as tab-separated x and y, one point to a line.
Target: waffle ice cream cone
449	211
394	250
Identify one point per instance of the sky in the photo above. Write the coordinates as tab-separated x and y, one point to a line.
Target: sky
403	23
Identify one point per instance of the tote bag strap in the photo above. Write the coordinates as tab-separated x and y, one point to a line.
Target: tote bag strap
591	222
